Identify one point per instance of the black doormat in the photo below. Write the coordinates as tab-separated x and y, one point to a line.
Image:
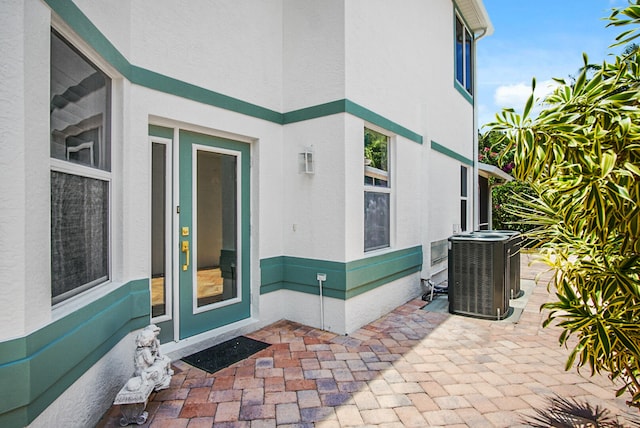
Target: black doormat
224	354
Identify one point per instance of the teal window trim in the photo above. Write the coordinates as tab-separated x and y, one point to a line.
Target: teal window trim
450	153
36	369
79	22
344	280
466	95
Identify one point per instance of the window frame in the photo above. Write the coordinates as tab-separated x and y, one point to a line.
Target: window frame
388	189
168	226
464	63
464	198
93	172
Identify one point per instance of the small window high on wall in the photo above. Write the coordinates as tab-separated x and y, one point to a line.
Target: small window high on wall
464	56
80	142
377	193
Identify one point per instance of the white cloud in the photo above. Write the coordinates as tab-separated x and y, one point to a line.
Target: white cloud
516	95
511	95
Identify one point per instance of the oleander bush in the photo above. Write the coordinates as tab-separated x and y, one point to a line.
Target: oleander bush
580	156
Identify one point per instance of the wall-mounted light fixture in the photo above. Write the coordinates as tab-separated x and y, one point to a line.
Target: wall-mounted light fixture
306	161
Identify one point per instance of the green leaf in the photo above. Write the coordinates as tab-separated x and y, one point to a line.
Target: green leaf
629	343
527	107
632	167
621	96
582	77
599	206
603	338
607	162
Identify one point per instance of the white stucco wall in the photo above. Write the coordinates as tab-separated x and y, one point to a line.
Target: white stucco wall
228	46
314	204
449	114
303	308
24	168
370	306
313	52
342	317
113	18
387	53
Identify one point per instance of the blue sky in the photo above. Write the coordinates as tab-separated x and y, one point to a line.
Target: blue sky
541	39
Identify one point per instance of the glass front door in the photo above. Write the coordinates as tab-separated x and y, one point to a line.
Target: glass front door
213	233
199	233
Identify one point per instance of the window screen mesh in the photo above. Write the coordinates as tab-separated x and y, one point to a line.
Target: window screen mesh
79	232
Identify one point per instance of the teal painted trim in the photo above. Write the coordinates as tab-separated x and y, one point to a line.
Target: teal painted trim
299	274
344	280
79	22
461	89
271	273
169	85
348	106
36	369
161	131
448	152
366	274
376	119
314	112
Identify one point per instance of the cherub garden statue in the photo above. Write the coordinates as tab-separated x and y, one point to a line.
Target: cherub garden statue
152	371
150	365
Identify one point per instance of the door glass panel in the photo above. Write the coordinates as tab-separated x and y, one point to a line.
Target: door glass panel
158	230
216	211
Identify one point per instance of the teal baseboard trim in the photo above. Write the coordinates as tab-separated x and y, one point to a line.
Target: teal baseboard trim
344	280
36	369
450	153
83	26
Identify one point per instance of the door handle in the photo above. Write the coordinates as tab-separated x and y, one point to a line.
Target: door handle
185	249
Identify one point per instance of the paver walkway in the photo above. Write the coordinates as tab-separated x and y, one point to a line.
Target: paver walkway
411	368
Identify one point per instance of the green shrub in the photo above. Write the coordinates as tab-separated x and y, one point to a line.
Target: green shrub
581	158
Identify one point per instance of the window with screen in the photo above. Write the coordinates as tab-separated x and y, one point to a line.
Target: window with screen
80	103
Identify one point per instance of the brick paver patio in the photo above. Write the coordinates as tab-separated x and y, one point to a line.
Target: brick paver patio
411	368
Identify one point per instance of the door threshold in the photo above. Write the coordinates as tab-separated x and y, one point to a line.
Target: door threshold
193	344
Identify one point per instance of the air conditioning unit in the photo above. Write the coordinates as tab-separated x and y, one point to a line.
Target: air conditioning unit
512	255
478	280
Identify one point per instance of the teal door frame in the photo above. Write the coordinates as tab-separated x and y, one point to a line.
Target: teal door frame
193	320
